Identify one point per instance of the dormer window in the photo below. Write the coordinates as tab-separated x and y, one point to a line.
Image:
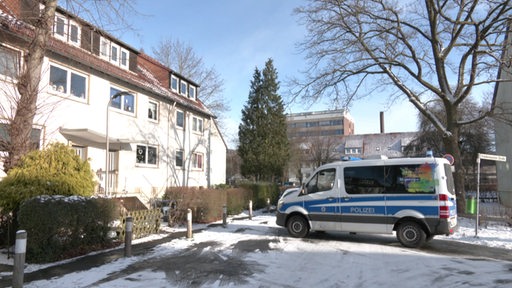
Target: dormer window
66	30
183	88
191	92
114	53
124	58
174	83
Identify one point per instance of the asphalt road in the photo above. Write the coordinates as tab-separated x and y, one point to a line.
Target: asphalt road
200	262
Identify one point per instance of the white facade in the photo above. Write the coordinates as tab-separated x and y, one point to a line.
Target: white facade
158	137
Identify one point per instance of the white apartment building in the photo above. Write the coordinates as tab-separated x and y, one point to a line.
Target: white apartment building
159	132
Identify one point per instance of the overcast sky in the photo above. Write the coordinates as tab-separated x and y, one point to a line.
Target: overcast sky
236	36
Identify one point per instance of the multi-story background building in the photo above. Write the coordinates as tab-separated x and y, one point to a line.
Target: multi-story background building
325	136
159	132
319	123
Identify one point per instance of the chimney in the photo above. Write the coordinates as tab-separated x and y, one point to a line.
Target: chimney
381	122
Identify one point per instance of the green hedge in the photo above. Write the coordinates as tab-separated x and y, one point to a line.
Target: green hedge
207	204
261	192
61	227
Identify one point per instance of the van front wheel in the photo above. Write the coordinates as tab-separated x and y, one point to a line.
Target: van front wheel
298	226
411	235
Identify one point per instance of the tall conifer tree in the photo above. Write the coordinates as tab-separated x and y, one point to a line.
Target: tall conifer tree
263	144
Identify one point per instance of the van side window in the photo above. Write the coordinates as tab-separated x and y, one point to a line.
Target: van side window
322	181
395	179
366	180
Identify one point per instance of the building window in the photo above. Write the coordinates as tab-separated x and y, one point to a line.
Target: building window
104	48
179	158
80	152
68	82
66	30
146	154
9	62
60	27
352	151
114	53
124	102
192	92
180	119
197	124
174	83
124	58
35	136
197	161
183	88
153	110
74	34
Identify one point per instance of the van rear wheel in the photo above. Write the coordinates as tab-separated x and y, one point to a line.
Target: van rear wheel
298	226
411	235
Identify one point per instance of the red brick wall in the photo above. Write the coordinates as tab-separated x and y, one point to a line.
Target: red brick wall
11	7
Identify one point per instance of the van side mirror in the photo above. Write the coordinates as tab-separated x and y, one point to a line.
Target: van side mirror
303	190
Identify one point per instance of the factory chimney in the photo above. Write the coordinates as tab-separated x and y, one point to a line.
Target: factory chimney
381	122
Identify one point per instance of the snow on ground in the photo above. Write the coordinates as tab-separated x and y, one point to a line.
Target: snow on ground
290	262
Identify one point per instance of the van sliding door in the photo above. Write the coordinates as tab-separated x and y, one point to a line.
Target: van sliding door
363	207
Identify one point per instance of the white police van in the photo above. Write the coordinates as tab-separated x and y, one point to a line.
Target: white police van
413	196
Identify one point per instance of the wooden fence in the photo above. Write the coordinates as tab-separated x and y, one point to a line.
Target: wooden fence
145	223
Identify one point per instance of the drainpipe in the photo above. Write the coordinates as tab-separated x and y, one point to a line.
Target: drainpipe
209	154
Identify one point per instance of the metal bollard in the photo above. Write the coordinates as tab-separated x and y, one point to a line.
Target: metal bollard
268	205
20	250
224	215
250	209
189	223
128	237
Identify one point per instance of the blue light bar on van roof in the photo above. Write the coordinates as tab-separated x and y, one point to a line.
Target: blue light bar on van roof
349	158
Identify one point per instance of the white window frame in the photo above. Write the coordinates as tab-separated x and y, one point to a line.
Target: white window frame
12	56
175	80
192	92
183	84
182	158
53	88
142	155
196	164
124	55
120	58
153	114
197	124
79	33
123	107
183	124
105	48
66	29
64	21
114	57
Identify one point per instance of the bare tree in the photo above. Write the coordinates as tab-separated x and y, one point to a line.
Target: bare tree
474	138
27	86
182	58
320	150
411	50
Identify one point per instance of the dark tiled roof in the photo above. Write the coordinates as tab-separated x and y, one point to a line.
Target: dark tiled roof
142	78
